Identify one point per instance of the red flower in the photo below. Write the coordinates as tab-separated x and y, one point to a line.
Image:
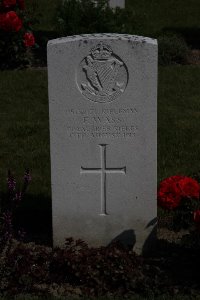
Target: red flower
169	193
10	21
174	188
29	39
21	4
8	3
197	216
190	188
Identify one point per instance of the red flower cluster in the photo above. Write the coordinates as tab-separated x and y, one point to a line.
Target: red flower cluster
10	21
173	189
8	3
29	39
11	3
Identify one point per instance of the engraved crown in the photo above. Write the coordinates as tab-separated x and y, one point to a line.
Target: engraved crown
101	51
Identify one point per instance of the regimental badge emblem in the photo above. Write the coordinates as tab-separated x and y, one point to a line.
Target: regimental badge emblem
102	76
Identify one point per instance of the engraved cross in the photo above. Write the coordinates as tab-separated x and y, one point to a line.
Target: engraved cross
103	171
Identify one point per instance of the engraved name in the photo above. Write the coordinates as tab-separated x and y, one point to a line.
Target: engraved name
102	123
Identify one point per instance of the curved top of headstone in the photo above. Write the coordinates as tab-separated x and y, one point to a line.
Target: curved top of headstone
111	36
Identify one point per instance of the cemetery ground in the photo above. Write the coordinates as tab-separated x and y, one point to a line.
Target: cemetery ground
28	297
25	135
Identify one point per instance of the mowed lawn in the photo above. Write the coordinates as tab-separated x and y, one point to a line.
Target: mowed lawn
178	120
24	130
152	16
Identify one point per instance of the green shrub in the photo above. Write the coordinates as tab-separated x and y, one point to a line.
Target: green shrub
83	16
172	49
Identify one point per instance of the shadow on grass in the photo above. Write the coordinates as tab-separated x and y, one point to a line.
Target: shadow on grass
34	216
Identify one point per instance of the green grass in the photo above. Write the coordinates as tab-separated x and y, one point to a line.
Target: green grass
178	121
24	132
24	136
155	15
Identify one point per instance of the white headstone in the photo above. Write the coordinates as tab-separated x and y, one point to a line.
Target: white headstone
102	105
117	3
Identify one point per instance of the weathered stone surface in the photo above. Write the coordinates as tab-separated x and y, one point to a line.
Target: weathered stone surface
102	106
